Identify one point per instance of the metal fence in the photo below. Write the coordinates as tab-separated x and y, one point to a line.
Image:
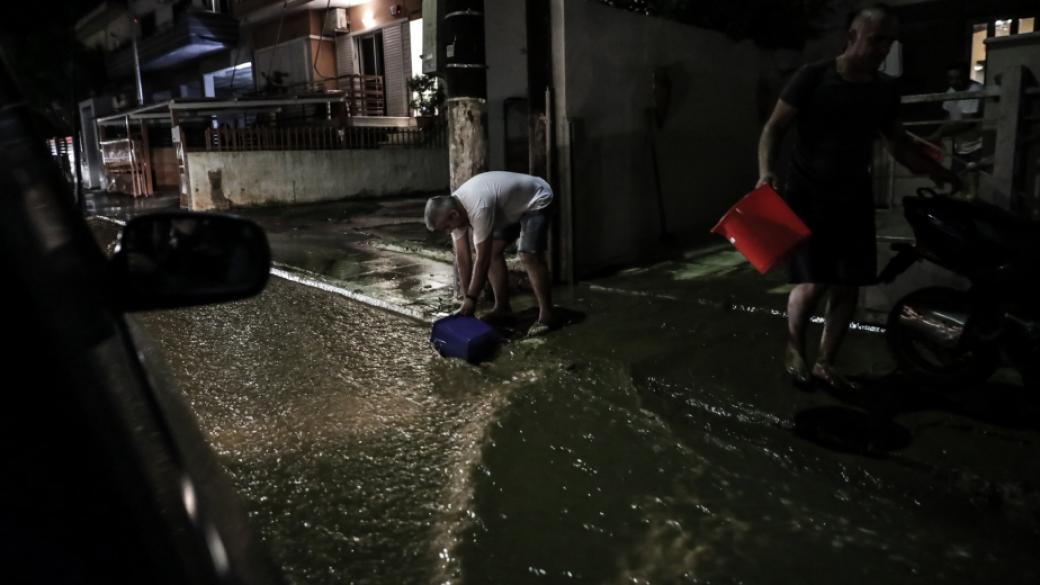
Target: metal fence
364	95
230	139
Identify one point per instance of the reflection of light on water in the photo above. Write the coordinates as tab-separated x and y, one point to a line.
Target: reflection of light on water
733	307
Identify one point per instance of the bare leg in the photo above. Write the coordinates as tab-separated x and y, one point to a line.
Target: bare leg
840	307
499	278
538	272
800	305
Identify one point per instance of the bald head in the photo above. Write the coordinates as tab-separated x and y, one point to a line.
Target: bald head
873	14
872	30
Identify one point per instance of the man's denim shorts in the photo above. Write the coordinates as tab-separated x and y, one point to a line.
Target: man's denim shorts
532	229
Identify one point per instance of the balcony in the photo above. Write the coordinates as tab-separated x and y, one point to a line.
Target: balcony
192	35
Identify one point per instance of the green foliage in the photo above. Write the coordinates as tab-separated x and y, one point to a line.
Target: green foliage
427	95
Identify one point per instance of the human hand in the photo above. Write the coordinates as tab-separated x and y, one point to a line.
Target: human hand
766	179
469	306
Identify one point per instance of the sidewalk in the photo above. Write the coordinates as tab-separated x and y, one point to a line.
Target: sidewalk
379	251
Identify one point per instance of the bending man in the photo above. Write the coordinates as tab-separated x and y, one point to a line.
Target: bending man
497	207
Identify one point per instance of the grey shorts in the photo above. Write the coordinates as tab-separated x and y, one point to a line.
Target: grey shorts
532	229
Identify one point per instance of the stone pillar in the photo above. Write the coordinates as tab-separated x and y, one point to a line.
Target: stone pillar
467	138
465	72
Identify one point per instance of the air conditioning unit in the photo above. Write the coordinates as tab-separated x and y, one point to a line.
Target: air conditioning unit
337	21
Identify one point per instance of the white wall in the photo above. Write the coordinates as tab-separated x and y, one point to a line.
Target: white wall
285	177
292	57
505	25
706	150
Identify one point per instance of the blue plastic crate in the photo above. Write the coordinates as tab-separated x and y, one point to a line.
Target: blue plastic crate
464	337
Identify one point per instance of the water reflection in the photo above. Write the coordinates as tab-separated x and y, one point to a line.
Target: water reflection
365	458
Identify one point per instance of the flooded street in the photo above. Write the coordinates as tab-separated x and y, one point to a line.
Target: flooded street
653	442
366	459
331	420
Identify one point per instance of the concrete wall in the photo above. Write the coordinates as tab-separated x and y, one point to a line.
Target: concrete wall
706	159
506	51
1016	169
240	179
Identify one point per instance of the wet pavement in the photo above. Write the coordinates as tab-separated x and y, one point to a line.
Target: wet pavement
655	440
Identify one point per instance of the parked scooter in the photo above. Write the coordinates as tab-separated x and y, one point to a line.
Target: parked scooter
951	336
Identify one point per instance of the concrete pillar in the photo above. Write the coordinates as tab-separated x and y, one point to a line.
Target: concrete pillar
465	72
467	139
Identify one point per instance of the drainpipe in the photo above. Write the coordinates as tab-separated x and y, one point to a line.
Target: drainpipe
465	73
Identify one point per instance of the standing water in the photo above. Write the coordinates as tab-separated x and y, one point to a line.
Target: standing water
365	458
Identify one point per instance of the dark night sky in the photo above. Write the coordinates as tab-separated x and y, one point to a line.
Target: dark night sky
21	18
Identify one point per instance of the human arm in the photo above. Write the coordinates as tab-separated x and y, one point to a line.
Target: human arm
907	153
769	141
475	282
463	261
954	128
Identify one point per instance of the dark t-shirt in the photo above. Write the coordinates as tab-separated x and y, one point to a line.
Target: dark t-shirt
828	184
837	123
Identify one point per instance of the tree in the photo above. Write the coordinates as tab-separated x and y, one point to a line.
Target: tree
427	95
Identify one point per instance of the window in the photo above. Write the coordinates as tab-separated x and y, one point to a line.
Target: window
978	52
997	28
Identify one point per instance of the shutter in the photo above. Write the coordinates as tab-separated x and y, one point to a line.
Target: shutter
345	64
394	58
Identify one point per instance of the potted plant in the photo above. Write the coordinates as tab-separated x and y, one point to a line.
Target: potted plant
427	102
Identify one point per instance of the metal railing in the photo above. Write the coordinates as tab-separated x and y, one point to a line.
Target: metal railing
365	95
230	139
1000	173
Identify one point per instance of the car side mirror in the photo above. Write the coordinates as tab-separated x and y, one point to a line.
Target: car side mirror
181	259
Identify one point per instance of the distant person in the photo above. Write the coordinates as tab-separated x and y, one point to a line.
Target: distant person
496	208
965	117
840	106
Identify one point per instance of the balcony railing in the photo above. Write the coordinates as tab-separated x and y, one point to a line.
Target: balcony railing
365	94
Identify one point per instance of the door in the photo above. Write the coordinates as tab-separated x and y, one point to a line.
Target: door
371	63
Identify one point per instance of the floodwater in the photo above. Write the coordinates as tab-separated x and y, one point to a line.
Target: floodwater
366	459
594	455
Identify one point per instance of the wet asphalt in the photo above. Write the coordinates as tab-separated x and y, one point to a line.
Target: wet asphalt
653	440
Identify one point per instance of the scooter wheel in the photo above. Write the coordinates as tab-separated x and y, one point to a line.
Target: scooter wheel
931	333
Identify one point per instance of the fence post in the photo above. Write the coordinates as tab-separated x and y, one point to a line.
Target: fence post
1006	151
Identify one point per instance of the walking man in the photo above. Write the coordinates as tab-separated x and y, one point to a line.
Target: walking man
497	207
839	107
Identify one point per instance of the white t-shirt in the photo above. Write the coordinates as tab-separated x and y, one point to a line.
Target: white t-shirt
497	199
958	109
968	141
